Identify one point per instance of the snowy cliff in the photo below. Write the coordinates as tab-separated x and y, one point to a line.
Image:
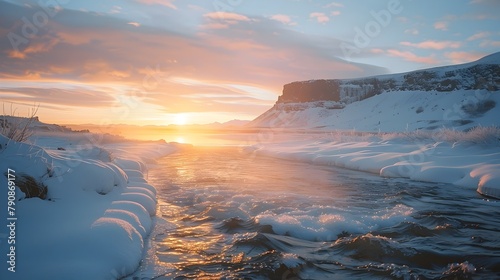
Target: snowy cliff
452	96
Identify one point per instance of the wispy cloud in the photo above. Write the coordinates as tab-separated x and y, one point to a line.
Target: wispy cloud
435	45
412	31
76	96
334	4
490	43
441	25
485	2
463	57
166	3
226	16
409	56
133	23
479	35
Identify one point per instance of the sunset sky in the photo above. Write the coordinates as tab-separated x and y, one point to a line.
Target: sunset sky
196	61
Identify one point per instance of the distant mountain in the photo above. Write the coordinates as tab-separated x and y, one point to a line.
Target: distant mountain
458	96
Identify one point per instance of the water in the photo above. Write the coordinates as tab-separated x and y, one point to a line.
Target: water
227	214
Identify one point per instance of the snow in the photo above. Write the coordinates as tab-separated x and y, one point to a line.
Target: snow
461	163
99	208
389	112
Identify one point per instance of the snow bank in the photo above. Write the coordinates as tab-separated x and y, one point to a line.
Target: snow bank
98	210
460	163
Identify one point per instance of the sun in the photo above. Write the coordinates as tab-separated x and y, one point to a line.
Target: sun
180	119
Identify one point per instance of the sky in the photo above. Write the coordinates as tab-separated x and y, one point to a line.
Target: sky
160	62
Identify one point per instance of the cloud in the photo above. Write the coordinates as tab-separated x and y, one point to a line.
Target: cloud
333	4
435	45
412	31
441	25
479	35
409	56
377	51
166	3
226	16
335	13
320	17
133	23
485	2
76	97
463	57
254	54
490	43
285	19
38	44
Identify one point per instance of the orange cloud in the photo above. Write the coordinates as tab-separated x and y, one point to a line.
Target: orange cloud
226	16
435	45
409	56
36	45
463	57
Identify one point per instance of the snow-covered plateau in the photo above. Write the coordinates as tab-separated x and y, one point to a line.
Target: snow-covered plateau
458	97
90	210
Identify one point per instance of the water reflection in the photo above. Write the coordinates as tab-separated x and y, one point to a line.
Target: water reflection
234	216
222	137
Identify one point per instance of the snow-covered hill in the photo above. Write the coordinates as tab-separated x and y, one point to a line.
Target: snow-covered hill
459	96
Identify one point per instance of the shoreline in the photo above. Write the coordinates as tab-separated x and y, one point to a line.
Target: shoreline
461	163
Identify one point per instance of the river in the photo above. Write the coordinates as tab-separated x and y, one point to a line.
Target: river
225	213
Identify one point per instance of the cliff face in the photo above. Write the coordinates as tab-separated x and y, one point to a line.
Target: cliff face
310	91
472	76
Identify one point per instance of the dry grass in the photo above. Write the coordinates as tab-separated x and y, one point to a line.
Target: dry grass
478	135
17	128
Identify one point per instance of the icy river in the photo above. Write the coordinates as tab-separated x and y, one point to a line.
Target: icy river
225	213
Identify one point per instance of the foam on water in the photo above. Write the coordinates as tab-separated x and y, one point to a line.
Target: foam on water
327	223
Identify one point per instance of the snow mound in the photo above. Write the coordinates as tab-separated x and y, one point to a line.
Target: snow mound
97	212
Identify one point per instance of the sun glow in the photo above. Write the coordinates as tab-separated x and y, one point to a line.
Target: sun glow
180	119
